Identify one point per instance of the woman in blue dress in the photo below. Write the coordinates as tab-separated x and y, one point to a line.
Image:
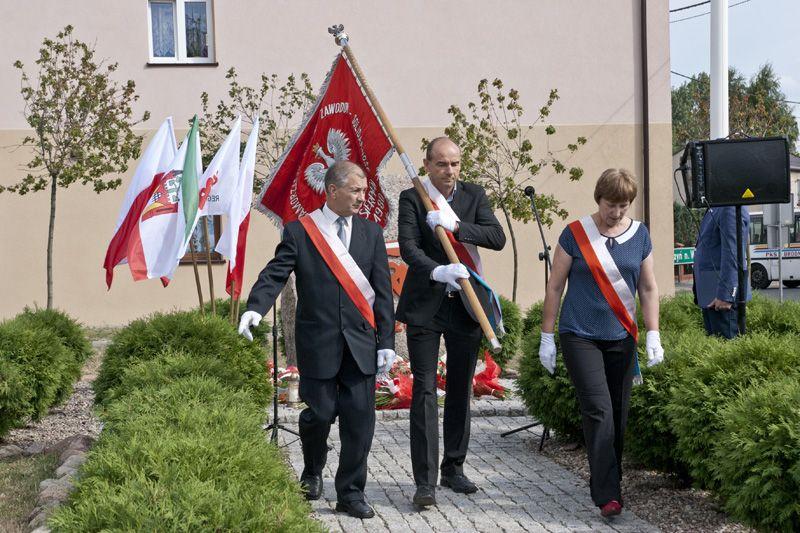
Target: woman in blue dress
607	259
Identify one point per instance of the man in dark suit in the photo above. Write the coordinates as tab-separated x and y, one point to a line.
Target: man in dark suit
338	350
431	306
716	278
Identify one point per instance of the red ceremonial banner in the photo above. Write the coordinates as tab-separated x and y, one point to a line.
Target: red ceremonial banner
341	126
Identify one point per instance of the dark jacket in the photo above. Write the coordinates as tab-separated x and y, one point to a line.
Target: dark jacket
422	251
326	318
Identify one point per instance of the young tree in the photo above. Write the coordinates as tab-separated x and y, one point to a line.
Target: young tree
82	125
497	153
280	107
757	107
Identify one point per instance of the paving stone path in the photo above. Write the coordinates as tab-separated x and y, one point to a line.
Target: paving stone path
519	489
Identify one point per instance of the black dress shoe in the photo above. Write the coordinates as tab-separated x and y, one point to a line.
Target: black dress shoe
312	486
356	509
459	483
425	496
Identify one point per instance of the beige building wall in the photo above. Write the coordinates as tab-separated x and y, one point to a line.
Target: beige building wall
420	57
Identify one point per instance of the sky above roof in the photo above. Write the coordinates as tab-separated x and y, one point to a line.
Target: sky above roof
759	32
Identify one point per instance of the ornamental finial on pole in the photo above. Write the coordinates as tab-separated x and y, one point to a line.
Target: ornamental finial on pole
337	30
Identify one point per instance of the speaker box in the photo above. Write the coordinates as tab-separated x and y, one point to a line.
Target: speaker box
737	172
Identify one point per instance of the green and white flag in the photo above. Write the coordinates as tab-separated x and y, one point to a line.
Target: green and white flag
188	208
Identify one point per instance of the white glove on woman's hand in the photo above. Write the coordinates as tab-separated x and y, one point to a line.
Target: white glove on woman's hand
547	352
386	359
655	353
249	319
439	218
450	274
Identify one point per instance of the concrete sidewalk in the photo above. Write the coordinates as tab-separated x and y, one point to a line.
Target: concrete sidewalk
519	489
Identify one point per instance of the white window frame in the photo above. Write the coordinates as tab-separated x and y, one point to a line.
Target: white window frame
180	37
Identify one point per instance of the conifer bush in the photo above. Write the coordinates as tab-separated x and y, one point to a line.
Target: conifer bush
757	457
71	334
261	333
769	316
550	399
650	439
512	323
172	365
187	456
33	371
701	394
186	331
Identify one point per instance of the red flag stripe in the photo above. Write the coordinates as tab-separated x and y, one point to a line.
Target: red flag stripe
338	270
600	277
238	271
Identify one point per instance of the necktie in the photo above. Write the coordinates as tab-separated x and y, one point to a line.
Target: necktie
341	222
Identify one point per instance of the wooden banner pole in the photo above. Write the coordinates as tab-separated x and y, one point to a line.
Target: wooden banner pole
208	266
197	279
343	41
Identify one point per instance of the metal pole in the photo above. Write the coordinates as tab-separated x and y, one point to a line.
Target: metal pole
719	69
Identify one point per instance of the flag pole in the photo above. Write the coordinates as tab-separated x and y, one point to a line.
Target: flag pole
208	265
197	278
233	292
343	40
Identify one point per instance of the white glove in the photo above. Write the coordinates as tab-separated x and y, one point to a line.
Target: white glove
439	218
655	353
450	274
386	359
547	352
249	319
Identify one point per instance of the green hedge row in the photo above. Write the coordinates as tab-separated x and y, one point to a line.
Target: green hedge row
182	448
705	413
41	356
211	338
186	456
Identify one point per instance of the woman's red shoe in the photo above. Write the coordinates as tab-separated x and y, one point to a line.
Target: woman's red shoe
611	508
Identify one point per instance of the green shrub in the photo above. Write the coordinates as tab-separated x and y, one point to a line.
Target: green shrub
186	331
223	306
701	393
71	334
189	456
512	323
769	316
649	438
549	399
757	458
170	366
34	371
678	313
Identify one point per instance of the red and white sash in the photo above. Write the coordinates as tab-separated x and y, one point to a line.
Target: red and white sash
467	253
605	272
341	263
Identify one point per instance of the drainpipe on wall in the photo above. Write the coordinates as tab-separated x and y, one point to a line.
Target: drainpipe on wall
645	118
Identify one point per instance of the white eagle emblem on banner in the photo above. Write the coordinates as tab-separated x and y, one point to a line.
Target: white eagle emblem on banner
339	150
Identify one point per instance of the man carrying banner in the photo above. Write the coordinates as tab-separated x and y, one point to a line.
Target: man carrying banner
431	306
344	328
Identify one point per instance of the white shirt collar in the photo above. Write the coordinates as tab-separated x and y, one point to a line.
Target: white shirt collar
332	217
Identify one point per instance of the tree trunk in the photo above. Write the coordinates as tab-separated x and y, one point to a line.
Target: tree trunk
50	231
287	318
514	248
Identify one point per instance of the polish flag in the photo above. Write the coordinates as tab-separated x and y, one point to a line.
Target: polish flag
233	241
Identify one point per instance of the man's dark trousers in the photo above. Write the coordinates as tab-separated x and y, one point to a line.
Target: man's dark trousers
723	323
462	337
350	395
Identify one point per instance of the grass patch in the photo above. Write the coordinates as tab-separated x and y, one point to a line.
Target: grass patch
19	488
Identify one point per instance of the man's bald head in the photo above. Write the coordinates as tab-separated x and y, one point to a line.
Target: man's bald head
438	142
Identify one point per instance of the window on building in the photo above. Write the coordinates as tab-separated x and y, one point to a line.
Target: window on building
198	242
181	31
